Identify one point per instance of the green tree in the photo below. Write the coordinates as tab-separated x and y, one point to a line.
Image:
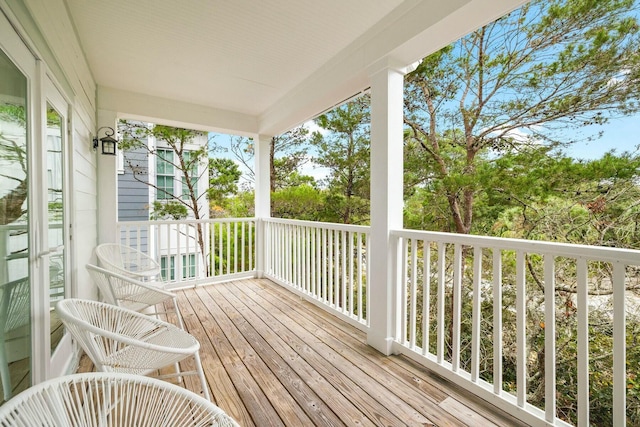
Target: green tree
287	154
344	150
224	175
302	201
188	159
530	77
595	202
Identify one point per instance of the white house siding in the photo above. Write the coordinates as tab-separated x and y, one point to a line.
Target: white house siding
47	29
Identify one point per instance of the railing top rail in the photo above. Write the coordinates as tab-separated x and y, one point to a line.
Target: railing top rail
184	221
325	225
596	253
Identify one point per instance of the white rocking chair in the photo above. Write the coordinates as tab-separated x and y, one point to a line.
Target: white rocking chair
110	400
120	340
130	293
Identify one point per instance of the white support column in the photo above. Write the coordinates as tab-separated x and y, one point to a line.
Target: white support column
107	183
262	145
387	83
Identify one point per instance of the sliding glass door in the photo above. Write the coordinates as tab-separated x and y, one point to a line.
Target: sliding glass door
15	272
34	273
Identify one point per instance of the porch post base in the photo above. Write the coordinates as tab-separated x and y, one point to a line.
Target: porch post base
383	345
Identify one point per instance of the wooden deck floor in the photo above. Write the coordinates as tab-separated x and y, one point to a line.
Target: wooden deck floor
272	359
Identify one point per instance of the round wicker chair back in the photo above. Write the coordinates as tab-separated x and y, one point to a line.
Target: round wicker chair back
110	400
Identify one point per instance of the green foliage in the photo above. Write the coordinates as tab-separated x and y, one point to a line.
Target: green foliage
168	210
345	152
224	175
302	202
525	80
288	153
240	206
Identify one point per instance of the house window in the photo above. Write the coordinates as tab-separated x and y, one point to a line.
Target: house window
164	174
188	266
193	176
168	267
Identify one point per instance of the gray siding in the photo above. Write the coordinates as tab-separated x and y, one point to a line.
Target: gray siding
133	196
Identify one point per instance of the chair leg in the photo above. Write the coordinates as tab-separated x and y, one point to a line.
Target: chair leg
4	372
178	314
181	324
203	381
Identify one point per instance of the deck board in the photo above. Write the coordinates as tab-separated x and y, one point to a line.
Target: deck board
271	359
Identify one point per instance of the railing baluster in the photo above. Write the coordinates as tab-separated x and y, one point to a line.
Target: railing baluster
441	314
295	260
351	277
583	340
289	249
243	245
312	260
228	248
235	247
336	269
414	294
301	270
309	260
457	306
252	225
318	251
426	296
325	265
549	339
404	245
300	251
521	330
330	268
619	346
476	314
368	274
497	321
343	284
220	250
360	282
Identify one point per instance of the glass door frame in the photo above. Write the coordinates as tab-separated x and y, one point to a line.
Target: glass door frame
40	90
24	60
54	97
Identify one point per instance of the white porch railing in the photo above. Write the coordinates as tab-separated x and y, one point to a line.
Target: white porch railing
196	251
487	313
459	296
325	262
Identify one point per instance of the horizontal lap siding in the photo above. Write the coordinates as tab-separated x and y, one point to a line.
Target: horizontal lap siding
133	195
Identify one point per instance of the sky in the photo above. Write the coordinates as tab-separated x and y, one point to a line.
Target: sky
621	134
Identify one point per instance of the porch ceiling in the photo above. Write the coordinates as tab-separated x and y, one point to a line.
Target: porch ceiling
278	61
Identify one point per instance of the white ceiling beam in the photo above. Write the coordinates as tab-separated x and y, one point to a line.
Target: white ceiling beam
170	112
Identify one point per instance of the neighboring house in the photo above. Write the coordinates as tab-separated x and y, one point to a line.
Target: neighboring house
156	179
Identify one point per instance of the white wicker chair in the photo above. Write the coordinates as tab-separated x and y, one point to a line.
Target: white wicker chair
120	340
110	400
15	313
130	293
128	261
